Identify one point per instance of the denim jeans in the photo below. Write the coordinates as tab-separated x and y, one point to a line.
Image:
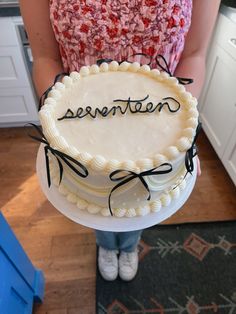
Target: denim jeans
121	241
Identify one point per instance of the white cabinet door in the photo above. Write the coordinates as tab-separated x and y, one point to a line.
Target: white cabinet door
229	157
8	34
12	68
225	35
17	105
218	102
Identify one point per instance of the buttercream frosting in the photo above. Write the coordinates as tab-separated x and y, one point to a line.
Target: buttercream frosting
134	142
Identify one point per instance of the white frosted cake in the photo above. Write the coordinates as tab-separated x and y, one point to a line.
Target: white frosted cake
129	127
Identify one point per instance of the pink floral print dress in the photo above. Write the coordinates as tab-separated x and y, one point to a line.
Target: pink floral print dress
87	30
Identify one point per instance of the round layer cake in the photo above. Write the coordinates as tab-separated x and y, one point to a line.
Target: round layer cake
130	127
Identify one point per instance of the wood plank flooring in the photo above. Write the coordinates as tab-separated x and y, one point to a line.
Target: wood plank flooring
65	251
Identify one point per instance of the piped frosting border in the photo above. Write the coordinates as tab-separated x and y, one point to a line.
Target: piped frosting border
164	200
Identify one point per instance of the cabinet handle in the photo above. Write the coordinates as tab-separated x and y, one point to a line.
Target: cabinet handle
29	54
232	41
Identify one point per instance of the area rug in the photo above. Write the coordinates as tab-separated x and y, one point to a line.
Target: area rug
188	268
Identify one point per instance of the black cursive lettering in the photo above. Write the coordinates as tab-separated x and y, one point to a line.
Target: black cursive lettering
132	105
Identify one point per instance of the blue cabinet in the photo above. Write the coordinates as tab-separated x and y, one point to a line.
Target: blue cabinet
21	283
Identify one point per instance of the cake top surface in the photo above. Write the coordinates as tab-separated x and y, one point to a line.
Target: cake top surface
120	114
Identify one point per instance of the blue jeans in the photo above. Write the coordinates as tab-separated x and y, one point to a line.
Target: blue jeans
121	241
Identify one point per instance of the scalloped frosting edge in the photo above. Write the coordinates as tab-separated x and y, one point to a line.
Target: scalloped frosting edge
163	200
99	163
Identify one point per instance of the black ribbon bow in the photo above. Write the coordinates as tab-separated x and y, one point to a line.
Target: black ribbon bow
45	94
59	155
192	152
107	60
182	80
130	175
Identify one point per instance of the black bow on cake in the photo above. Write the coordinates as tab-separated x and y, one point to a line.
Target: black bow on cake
125	176
68	160
192	151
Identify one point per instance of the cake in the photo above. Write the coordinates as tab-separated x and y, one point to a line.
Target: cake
123	131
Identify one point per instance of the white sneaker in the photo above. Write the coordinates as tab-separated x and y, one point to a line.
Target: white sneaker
108	263
128	265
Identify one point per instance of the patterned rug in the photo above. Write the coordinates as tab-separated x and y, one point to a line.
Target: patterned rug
183	269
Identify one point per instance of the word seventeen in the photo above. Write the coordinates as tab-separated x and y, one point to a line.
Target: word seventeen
131	105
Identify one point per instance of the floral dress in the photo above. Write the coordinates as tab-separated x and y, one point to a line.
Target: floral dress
88	30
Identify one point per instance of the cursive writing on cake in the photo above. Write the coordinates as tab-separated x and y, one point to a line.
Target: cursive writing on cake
131	105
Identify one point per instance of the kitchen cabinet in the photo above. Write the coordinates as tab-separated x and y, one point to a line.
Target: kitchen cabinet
229	156
17	97
12	73
17	106
218	99
8	34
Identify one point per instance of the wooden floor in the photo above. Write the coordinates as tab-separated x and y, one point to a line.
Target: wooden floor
64	250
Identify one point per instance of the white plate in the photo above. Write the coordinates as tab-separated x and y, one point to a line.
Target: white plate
100	222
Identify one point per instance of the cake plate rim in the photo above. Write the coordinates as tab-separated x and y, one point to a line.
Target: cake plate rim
99	222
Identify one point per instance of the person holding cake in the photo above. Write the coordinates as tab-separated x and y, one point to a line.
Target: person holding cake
66	35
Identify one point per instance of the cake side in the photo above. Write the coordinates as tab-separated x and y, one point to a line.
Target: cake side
134	194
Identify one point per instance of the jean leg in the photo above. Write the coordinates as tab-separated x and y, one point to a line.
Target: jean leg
128	241
107	239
